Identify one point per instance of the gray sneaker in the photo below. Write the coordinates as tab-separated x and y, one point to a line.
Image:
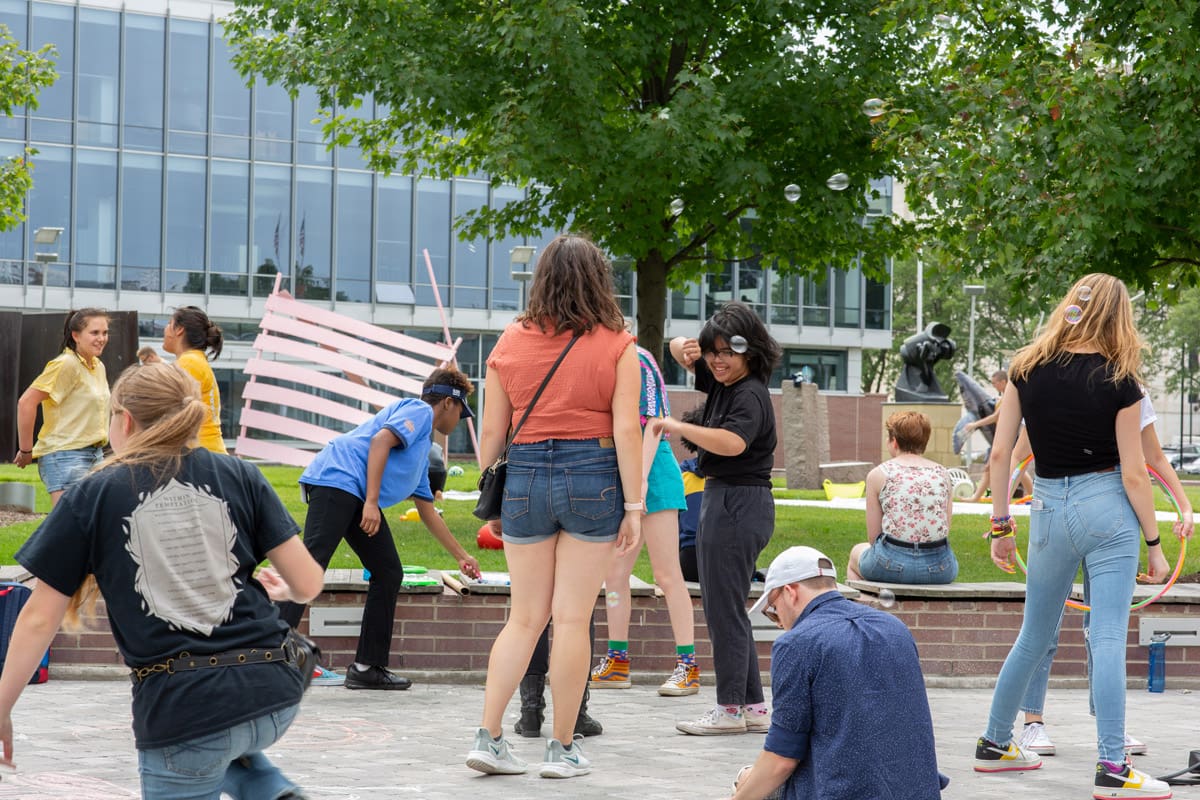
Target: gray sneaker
494	756
561	762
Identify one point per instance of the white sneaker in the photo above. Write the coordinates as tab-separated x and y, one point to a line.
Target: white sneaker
1134	747
561	762
1127	784
494	756
715	723
1035	739
757	723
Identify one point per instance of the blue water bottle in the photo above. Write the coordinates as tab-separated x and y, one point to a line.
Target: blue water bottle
1156	680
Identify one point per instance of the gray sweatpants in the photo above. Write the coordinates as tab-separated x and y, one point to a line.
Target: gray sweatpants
736	522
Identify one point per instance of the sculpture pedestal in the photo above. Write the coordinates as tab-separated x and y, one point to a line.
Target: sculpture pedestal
942	419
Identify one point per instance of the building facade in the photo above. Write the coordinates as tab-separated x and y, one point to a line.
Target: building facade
176	184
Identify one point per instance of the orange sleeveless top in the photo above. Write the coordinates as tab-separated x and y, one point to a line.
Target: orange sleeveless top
577	404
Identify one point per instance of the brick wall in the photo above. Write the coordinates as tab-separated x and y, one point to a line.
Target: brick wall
449	632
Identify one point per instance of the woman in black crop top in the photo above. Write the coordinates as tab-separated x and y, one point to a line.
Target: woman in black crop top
732	359
1077	388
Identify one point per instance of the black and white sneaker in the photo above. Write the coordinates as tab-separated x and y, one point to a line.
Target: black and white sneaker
991	757
1121	781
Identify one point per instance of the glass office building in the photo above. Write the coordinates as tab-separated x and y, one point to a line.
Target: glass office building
175	183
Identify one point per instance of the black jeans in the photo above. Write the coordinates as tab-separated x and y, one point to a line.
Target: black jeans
334	515
736	523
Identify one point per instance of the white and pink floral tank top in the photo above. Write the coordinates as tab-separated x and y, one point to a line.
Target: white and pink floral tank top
914	502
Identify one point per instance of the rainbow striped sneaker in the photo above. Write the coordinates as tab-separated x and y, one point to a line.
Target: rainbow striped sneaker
991	757
611	673
1120	781
684	680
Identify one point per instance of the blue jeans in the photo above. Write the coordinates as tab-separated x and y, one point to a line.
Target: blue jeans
60	469
1082	519
1034	701
229	761
893	563
569	485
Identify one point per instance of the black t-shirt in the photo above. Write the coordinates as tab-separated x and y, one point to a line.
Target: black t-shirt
745	409
1070	411
174	562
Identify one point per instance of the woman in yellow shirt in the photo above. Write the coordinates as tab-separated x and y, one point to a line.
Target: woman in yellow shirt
188	335
73	393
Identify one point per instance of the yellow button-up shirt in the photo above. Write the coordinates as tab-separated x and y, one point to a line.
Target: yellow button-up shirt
75	414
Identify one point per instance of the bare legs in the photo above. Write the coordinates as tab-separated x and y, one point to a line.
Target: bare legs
660	531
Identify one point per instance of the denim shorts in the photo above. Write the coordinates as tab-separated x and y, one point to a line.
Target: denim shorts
62	468
664	485
892	563
569	485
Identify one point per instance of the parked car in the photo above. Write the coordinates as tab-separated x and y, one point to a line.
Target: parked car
1181	457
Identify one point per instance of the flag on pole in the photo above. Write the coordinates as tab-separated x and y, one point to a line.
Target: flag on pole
278	220
300	239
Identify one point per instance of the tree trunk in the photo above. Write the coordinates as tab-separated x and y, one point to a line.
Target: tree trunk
651	302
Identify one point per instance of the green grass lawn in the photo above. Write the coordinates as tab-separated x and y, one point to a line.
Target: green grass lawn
833	531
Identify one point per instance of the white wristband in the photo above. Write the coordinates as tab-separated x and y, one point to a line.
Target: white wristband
633	506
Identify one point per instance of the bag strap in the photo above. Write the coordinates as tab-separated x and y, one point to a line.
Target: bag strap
538	394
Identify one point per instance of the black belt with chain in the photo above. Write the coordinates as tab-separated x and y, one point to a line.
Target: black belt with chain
186	662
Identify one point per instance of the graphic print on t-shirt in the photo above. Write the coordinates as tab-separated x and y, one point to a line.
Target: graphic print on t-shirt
182	539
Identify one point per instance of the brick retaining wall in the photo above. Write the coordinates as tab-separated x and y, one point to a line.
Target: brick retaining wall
958	638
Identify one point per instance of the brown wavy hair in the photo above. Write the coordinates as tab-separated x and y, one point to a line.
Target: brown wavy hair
164	402
1105	326
572	289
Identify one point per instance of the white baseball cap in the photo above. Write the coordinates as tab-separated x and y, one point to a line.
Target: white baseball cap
793	565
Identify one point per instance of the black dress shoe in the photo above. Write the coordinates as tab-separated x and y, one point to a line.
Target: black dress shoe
374	678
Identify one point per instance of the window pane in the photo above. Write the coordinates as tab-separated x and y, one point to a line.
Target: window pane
141	217
393	229
143	101
816	300
719	288
433	234
847	297
96	218
310	143
188	100
49	204
231	96
686	304
878	305
314	209
272	226
470	258
272	123
55	24
99	67
785	298
186	203
752	285
229	210
505	291
354	236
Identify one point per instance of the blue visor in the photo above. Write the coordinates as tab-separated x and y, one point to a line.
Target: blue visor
451	391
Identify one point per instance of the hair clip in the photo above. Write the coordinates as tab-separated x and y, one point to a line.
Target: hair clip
738	344
1072	314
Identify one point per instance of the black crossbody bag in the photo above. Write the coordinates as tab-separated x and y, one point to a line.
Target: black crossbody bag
491	480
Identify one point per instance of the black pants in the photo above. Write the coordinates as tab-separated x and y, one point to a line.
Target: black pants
736	522
688	565
334	515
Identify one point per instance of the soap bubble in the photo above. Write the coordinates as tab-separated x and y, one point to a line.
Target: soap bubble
1072	314
838	181
677	206
887	598
791	192
455	471
943	21
1085	293
874	107
613	599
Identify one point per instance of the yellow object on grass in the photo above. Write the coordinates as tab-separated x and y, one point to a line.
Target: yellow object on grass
833	490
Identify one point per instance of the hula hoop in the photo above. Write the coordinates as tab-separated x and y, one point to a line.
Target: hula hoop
1178	563
1016	476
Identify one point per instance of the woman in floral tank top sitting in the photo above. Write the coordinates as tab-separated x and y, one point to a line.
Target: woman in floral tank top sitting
909	502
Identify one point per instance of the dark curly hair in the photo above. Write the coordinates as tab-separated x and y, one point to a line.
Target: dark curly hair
738	319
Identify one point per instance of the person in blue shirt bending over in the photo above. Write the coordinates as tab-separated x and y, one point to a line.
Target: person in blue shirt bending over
841	674
376	465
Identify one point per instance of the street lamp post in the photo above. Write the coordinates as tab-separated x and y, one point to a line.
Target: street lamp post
521	260
973	290
48	237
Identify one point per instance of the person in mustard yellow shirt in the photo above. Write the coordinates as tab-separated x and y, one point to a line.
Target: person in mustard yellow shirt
188	335
73	393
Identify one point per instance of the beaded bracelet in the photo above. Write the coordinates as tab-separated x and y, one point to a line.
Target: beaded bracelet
1007	518
1155	542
